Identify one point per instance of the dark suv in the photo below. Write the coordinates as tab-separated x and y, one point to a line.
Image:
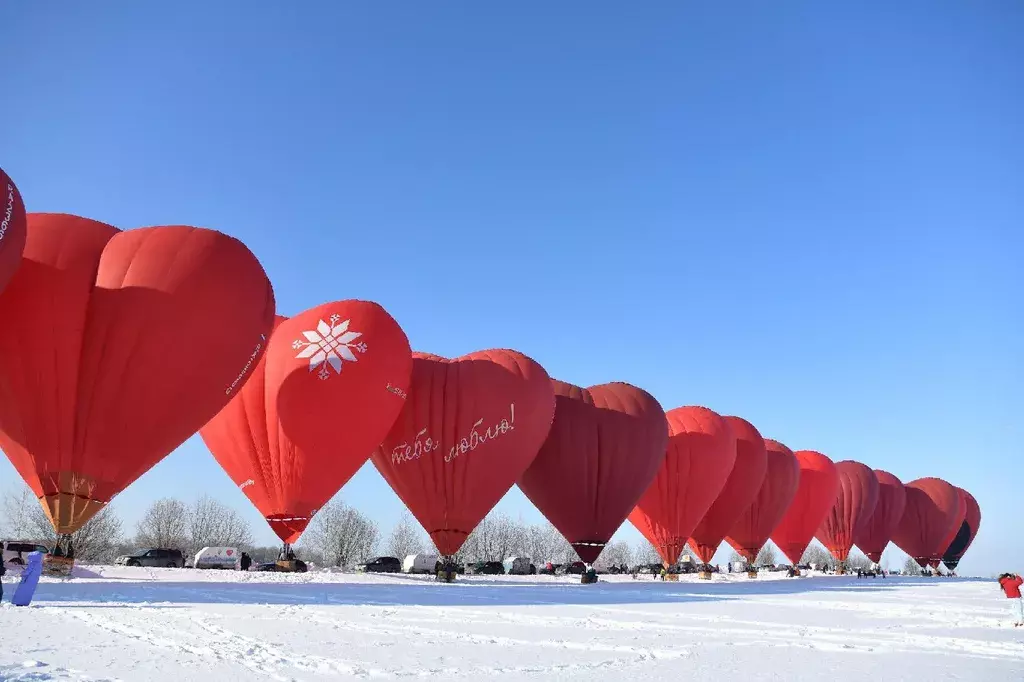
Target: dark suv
160	558
382	564
487	568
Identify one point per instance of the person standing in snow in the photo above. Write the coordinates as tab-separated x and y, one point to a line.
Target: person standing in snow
1011	582
3	569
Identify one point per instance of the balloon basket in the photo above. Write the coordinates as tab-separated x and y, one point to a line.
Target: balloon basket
57	566
672	577
752	573
291	566
588	579
446	576
704	575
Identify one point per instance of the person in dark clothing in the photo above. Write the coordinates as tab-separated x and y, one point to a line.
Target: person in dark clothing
246	561
3	569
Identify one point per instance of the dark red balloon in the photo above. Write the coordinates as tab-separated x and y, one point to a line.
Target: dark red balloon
327	391
604	449
932	512
700	456
877	532
819	485
13	226
738	493
781	480
965	536
117	346
852	509
469	428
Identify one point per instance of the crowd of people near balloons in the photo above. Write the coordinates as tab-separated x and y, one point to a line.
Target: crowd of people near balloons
118	345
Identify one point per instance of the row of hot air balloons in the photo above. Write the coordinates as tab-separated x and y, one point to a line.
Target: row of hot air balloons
721	481
117	346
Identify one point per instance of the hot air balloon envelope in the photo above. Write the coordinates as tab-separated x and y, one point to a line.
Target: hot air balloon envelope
604	449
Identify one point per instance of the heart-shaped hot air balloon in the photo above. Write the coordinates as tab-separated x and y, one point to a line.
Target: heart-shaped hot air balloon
752	529
12	228
328	389
819	485
469	428
699	458
738	493
965	536
604	449
934	509
873	538
851	510
116	347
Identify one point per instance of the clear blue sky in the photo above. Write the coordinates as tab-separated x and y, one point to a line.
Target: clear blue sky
806	215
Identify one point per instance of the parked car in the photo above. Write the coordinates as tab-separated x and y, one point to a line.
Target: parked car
486	568
15	552
160	558
382	564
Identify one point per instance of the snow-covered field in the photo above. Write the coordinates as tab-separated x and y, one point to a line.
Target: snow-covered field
163	624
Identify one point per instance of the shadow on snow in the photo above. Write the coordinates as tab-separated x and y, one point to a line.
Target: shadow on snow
427	593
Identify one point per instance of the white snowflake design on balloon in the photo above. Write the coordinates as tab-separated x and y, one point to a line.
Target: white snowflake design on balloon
328	346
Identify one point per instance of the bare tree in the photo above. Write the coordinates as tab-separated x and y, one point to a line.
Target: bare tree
406	537
911	567
496	538
17	507
165	524
645	553
856	560
211	523
767	556
98	539
544	543
819	556
341	535
615	554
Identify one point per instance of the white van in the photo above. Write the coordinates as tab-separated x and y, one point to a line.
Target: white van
517	565
420	563
218	557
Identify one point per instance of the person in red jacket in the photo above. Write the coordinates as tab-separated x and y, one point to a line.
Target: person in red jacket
1011	582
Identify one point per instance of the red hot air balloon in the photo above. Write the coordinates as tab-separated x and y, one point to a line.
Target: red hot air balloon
605	447
932	512
330	386
739	491
116	347
965	536
700	456
852	509
469	428
12	228
819	485
873	538
781	480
